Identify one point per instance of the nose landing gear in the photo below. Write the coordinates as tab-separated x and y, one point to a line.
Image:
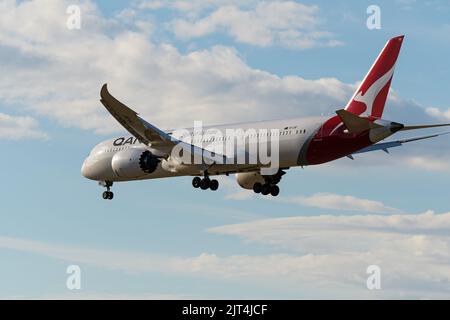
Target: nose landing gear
107	195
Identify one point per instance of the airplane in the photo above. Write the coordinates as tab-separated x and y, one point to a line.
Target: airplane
148	152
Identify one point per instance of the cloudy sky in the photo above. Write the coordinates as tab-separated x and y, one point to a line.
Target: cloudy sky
219	61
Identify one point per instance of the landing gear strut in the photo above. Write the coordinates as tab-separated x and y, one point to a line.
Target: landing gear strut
107	195
205	183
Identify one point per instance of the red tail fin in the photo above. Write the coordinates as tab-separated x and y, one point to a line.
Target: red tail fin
370	98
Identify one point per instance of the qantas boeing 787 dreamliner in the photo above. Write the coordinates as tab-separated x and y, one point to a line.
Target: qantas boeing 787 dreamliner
258	153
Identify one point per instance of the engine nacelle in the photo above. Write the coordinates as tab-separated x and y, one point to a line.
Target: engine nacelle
247	179
134	163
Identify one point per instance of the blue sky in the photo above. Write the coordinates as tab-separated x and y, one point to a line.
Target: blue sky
176	64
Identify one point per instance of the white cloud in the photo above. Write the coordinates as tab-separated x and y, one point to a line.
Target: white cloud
16	128
341	202
262	23
193	8
58	73
268	23
181	5
295	232
412	250
322	200
428	163
320	252
438	113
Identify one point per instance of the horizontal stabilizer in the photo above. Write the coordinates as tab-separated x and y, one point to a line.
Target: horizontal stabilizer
426	126
385	146
354	123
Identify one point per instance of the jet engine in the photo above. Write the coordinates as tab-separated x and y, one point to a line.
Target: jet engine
248	179
134	163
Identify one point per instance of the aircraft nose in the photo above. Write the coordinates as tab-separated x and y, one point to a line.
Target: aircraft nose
97	169
86	170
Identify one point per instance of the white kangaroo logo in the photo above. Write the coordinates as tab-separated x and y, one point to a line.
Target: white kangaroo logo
368	98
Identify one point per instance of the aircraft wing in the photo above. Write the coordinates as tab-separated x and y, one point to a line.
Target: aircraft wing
147	133
385	146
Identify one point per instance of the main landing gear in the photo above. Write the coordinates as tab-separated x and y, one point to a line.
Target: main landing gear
205	183
270	184
266	189
107	195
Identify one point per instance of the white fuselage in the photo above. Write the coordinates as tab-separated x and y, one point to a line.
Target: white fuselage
293	135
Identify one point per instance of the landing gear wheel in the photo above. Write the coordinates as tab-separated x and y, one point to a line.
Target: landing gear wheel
108	195
214	185
257	187
204	184
265	189
196	182
274	191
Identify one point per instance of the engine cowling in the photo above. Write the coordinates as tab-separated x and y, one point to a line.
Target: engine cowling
247	179
134	163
